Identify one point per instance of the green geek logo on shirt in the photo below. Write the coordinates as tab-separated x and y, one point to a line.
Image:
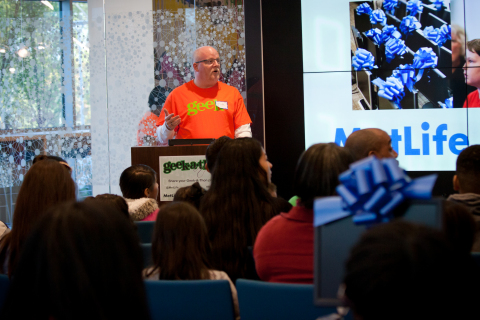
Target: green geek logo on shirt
194	107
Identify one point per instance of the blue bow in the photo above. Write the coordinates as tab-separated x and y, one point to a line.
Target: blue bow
394	47
378	16
414	6
409	24
406	74
363	59
437	3
392	89
390	31
390	5
375	35
424	58
448	103
364	8
438	35
370	190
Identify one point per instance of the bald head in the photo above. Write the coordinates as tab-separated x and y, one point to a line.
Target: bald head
206	64
368	142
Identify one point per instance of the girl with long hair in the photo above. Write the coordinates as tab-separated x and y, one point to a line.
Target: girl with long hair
46	184
237	205
180	248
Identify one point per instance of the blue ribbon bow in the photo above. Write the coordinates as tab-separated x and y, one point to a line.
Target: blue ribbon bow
394	47
409	24
378	16
390	31
414	6
406	74
363	59
438	35
392	89
437	3
424	58
370	190
390	5
375	35
364	8
448	103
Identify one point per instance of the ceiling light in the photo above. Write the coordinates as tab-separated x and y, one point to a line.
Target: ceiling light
23	53
48	4
12	70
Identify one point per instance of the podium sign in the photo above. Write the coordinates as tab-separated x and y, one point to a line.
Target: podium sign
181	171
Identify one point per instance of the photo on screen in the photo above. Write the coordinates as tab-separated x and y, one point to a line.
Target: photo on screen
402	55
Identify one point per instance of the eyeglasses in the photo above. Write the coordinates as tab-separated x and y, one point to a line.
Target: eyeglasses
209	61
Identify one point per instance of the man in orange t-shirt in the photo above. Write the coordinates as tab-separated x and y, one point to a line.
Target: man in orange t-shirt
204	107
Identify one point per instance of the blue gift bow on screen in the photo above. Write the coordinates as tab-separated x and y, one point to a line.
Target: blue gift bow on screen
392	89
378	16
406	74
414	6
437	3
364	8
363	59
376	36
448	103
390	5
438	35
409	24
424	58
394	47
389	32
370	190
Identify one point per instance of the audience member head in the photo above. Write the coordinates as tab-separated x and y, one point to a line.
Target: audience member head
157	98
213	150
46	184
111	200
192	194
139	181
459	226
467	179
458	44
317	171
58	159
180	245
237	204
80	262
367	142
400	270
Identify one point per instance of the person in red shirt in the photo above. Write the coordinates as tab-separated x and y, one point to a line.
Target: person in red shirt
204	107
471	70
147	128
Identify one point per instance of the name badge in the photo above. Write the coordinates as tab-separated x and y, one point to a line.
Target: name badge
221	104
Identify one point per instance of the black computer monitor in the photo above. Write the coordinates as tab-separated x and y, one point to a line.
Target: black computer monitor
334	240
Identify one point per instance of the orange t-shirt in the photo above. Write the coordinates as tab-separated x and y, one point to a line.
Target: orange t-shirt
147	126
473	100
206	113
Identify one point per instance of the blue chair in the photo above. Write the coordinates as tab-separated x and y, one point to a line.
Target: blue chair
4	286
189	299
260	300
476	258
145	230
147	254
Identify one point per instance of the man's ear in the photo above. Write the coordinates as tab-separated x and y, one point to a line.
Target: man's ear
456	183
195	67
372	153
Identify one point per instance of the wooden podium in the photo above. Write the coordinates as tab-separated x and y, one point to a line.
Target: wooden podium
150	155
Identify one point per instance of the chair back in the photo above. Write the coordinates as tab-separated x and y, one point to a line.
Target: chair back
189	299
476	258
147	254
260	300
145	230
4	286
